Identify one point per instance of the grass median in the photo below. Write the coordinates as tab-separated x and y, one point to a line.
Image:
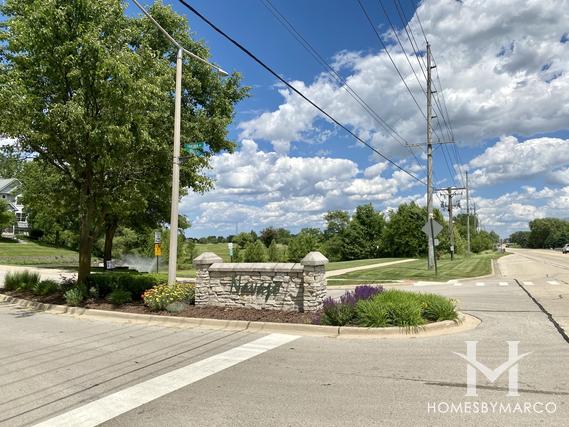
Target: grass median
460	267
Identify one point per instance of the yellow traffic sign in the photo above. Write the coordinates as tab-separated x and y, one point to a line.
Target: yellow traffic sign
157	249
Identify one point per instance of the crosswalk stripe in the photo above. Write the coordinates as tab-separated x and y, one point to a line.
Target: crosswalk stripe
111	406
553	282
503	284
529	283
480	284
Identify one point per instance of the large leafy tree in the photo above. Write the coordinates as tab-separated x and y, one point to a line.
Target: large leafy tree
90	92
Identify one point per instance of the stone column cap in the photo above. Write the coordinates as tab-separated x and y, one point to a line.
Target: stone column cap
205	259
313	259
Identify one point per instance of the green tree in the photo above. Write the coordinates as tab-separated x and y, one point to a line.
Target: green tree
336	223
301	244
255	252
403	235
363	236
90	92
275	252
268	235
7	217
520	238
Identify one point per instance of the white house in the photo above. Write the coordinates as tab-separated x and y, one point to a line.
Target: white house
9	189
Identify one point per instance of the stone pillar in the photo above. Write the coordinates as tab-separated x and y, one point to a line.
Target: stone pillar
202	264
314	279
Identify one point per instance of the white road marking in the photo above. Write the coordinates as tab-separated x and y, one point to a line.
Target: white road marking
553	282
480	284
503	284
457	284
113	405
529	283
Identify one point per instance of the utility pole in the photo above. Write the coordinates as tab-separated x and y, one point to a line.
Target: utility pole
431	257
450	195
450	205
173	247
467	216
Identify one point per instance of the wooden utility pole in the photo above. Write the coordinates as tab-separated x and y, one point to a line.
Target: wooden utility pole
431	257
467	216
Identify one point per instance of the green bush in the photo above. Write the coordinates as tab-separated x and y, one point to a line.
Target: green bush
135	283
404	309
437	308
46	287
21	280
73	297
119	297
255	252
338	314
372	314
161	296
11	281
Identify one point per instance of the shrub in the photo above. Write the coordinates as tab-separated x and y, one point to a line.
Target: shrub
338	313
73	297
406	314
160	296
255	252
135	283
437	308
11	281
119	297
21	280
372	314
46	287
343	312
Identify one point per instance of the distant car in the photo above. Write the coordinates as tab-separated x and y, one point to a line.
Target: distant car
565	248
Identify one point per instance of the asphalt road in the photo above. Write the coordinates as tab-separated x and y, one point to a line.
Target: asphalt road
53	366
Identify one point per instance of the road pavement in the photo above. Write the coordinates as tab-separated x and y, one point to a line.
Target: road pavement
55	366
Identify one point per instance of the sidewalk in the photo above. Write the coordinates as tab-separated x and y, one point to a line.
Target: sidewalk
334	273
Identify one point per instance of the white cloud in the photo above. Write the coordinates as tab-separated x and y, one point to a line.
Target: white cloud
502	62
256	189
511	159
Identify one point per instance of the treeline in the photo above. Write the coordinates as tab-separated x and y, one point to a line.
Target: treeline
366	234
543	233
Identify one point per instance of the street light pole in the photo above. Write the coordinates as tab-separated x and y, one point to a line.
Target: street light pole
173	249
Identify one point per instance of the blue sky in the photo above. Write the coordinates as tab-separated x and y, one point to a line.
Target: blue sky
503	66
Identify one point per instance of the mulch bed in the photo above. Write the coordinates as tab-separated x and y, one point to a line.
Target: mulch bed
248	314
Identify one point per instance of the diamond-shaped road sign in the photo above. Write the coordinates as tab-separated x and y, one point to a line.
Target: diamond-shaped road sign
437	228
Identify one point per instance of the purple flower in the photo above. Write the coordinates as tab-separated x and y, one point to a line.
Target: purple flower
366	291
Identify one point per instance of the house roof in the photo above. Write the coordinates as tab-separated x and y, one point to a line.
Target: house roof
8	185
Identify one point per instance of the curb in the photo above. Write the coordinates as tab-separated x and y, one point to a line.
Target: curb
465	322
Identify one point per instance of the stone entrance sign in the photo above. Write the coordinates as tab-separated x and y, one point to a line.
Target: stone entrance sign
276	286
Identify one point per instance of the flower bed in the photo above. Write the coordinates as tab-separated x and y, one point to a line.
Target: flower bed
374	307
365	306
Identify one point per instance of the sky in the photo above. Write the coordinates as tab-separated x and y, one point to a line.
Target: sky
502	70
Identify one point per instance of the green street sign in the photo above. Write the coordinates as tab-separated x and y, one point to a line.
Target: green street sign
195	148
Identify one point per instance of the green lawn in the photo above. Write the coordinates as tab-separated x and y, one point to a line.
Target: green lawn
461	267
30	253
357	263
220	249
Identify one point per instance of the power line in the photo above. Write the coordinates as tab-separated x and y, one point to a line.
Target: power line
390	58
332	72
291	87
449	124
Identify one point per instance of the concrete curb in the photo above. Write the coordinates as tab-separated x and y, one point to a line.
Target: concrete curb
465	322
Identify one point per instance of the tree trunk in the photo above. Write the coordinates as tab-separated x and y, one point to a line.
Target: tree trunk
110	230
86	228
